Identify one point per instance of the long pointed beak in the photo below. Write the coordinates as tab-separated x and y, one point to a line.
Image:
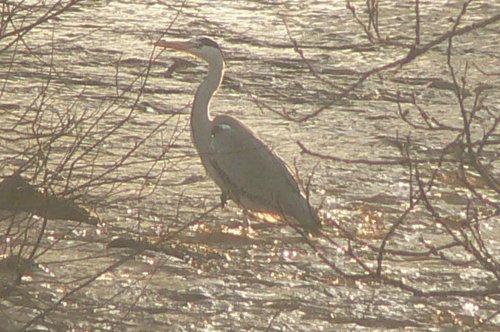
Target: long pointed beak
176	45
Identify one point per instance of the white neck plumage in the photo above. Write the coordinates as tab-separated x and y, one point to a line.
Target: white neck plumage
201	124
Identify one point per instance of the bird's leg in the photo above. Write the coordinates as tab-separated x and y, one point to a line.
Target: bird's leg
246	222
247	229
223	199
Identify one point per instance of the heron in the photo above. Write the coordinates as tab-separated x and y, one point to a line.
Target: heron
242	165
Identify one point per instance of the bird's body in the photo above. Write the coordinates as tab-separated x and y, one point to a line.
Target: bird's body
246	170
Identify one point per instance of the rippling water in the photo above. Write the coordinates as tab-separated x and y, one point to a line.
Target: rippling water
96	57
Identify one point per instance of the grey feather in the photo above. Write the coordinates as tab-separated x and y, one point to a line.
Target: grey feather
253	175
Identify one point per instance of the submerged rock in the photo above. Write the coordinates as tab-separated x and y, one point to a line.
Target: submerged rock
16	194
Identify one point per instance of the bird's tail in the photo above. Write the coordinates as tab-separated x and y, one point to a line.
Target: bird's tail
297	207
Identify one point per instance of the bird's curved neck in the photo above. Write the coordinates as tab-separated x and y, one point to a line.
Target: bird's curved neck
201	123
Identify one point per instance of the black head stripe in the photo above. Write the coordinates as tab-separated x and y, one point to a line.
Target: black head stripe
208	42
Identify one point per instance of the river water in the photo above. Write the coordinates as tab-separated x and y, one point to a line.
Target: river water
129	159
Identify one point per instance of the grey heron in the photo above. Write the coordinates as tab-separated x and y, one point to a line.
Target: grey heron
247	171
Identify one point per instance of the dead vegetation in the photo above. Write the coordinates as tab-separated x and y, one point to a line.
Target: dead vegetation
66	163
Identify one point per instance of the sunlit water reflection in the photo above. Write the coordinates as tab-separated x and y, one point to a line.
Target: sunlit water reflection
270	280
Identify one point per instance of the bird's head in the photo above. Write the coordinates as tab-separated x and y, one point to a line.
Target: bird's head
202	47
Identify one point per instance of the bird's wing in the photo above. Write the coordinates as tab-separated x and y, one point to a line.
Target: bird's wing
248	167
